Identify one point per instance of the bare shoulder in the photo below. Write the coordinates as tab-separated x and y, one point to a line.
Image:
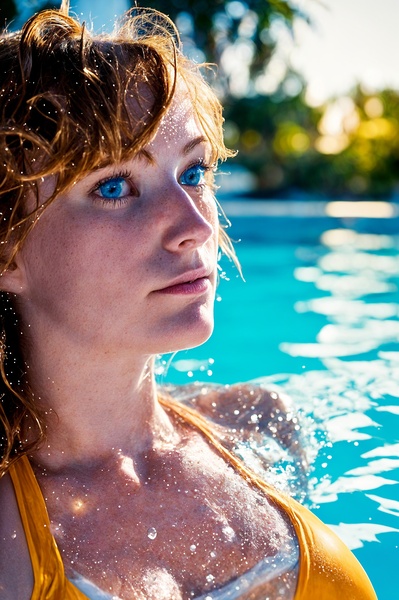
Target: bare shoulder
16	577
249	408
252	414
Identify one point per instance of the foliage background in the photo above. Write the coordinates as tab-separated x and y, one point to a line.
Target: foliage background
347	147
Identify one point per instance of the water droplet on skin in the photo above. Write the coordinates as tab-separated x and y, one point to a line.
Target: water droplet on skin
229	532
152	533
193	548
210	578
13	536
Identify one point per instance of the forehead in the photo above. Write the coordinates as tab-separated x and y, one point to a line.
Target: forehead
179	123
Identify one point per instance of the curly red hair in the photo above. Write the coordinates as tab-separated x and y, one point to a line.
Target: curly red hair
70	102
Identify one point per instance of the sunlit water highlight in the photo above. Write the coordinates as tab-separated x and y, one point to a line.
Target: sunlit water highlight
318	318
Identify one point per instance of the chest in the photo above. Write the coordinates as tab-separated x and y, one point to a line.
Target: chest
185	529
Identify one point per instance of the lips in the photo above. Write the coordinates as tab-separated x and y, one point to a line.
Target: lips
191	282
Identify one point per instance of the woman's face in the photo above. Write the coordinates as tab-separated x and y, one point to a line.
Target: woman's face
126	259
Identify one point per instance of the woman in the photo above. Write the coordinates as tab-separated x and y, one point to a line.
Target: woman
109	252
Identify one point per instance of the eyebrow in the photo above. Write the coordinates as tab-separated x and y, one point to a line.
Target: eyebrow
193	143
144	153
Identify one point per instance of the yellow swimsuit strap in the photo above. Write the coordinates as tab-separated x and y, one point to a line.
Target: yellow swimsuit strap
328	569
50	582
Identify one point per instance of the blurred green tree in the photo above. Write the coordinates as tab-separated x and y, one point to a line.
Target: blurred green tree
347	147
365	162
235	35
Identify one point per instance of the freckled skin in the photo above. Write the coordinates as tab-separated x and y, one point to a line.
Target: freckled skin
181	505
106	263
129	489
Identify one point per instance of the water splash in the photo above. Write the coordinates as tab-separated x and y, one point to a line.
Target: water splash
152	533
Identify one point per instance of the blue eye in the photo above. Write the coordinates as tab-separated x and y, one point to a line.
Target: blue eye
194	175
114	188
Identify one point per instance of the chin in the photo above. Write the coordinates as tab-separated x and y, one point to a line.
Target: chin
190	336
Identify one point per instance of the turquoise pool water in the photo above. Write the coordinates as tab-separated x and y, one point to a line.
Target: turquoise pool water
318	316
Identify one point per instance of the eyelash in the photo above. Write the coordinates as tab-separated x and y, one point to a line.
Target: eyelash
202	163
126	175
208	168
115	202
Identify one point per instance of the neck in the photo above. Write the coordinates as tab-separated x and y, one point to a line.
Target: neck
107	409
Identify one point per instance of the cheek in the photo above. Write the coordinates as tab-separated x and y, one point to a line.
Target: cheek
45	255
216	228
207	206
63	258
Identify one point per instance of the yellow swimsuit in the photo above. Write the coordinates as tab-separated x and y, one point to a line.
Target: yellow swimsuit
328	570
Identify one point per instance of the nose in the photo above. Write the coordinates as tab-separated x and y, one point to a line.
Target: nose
190	222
